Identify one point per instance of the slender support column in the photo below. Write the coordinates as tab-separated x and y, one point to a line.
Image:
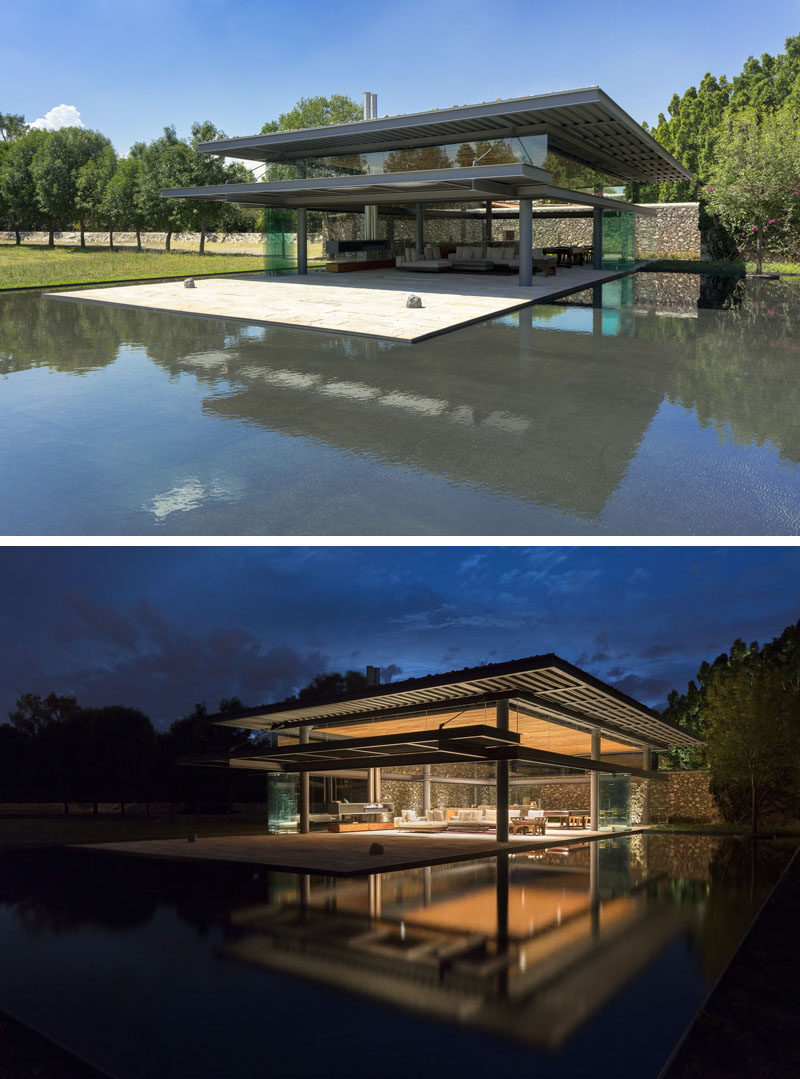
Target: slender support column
646	803
502	921
597	239
594	785
376	782
502	778
426	789
302	242
370	784
305	790
487	225
525	243
420	227
305	889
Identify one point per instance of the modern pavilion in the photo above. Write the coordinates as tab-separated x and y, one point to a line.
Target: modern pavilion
574	146
498	735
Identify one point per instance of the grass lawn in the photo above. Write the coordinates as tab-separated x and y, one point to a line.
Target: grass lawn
18	832
48	266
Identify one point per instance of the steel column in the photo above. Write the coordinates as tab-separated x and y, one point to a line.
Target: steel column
594	785
525	243
487	225
426	789
597	239
646	763
302	242
420	228
376	783
305	790
502	779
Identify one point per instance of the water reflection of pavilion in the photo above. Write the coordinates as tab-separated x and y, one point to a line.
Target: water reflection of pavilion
527	946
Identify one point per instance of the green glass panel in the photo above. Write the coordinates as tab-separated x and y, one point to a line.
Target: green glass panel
615	800
280	240
281	803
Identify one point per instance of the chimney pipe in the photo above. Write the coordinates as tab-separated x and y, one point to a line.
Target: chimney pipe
370	105
373	676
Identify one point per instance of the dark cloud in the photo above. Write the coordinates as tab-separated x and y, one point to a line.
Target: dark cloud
161	628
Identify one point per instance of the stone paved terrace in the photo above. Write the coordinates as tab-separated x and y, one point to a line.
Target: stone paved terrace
369	303
344	854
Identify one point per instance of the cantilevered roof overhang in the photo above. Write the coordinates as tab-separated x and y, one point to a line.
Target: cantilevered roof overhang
584	122
478	743
350	193
546	685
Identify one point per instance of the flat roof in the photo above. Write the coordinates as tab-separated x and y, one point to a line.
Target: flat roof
584	122
547	683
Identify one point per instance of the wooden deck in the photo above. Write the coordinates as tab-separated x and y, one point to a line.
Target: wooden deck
340	855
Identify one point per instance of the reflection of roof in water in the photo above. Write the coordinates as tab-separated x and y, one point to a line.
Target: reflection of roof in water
550	416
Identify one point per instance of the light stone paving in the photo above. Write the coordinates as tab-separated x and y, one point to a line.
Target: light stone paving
370	303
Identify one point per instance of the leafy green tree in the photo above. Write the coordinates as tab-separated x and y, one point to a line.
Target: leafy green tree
206	170
166	162
12	126
33	713
56	167
121	205
753	737
17	185
317	112
93	179
755	181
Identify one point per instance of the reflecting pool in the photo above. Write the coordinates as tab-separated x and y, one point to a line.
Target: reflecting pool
669	407
584	958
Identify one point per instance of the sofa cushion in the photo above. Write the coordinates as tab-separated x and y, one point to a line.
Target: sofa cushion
476	252
490	815
463	252
506	254
429	255
438	814
436	252
409	814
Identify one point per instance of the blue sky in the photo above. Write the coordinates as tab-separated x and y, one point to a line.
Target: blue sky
160	628
133	66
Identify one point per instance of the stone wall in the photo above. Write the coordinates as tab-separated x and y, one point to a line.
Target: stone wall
149	239
674	229
689	797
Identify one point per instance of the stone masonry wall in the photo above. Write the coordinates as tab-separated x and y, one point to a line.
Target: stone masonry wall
689	797
675	229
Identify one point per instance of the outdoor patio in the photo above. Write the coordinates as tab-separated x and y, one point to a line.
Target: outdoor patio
369	303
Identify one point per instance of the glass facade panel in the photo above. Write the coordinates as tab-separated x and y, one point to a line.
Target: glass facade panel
619	239
280	240
615	801
281	803
527	150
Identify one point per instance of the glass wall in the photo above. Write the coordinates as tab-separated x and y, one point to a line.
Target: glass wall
280	240
527	150
619	239
615	800
281	803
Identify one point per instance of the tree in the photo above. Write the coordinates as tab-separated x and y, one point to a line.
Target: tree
206	170
317	112
12	126
166	162
754	182
17	185
56	167
33	713
752	736
93	179
121	204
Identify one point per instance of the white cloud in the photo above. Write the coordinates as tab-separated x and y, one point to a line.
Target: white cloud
59	116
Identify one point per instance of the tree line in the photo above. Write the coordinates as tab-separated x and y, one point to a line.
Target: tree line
746	706
57	179
740	138
52	749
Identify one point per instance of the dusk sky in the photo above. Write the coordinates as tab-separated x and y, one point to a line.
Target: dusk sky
160	628
130	67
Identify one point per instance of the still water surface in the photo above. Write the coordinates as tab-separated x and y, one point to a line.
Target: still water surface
590	959
671	409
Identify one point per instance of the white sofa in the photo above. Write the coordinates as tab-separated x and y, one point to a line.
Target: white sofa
430	260
409	821
485	253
